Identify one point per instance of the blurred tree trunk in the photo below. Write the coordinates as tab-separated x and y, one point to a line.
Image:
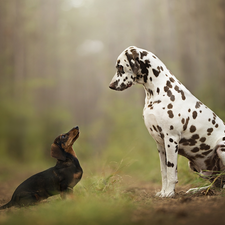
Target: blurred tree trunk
221	50
19	40
199	28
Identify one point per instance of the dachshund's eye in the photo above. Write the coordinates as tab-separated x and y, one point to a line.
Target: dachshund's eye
63	136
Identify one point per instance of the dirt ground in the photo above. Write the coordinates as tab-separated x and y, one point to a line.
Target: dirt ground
195	209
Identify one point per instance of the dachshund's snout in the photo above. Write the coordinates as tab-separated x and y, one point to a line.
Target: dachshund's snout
74	129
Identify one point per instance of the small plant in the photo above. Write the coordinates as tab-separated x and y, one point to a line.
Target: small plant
216	178
108	182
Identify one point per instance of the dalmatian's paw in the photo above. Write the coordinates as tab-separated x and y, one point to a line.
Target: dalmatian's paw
195	190
169	194
165	194
160	194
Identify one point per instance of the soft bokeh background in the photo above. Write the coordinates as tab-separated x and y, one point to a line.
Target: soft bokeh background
57	58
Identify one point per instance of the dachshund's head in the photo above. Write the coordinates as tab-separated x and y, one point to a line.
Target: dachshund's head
62	150
64	142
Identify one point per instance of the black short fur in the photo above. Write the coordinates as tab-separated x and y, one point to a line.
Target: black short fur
59	179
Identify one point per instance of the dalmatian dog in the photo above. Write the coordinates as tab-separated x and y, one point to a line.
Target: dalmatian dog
177	120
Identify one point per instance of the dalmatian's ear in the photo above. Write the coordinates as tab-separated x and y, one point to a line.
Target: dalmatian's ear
133	58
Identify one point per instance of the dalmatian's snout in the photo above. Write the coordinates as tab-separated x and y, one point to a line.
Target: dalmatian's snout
113	85
118	86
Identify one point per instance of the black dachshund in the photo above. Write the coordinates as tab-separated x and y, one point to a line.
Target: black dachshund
59	179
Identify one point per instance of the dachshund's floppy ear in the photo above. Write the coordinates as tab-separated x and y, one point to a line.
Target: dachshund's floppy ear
57	153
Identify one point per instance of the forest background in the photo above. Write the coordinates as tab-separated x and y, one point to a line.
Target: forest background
57	58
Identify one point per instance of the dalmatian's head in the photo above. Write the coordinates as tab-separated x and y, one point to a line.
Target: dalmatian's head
130	68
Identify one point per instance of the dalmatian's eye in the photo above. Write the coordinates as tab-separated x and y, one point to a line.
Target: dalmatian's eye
120	69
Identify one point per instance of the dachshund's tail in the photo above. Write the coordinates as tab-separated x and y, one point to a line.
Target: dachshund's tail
8	205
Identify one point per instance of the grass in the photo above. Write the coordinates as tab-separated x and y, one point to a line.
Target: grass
97	200
91	210
100	198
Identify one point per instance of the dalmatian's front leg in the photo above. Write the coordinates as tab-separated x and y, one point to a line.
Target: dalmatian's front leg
162	158
171	148
168	162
